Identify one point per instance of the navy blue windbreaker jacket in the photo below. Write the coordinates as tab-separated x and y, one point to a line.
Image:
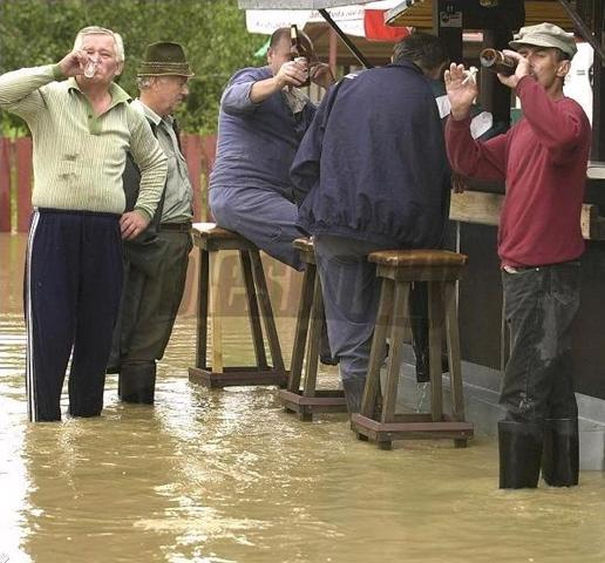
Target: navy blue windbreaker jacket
373	165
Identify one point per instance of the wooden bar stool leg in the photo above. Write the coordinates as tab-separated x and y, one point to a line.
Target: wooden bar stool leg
215	313
253	313
399	319
435	329
453	347
302	328
314	338
372	388
202	311
266	310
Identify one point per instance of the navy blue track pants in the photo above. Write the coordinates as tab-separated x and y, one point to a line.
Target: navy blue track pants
73	281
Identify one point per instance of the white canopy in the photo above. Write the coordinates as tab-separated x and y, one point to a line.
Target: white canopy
350	18
294	4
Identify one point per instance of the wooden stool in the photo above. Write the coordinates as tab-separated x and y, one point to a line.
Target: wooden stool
398	269
309	400
210	239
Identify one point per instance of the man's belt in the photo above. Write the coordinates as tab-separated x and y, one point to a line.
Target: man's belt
178	227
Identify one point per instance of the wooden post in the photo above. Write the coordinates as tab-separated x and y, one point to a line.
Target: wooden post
208	158
23	162
192	151
5	186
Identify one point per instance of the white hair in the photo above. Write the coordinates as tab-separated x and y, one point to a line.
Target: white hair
96	30
144	82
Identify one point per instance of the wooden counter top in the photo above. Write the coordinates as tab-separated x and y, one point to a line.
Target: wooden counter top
484	209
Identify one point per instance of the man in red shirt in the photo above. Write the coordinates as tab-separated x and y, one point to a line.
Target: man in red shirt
542	160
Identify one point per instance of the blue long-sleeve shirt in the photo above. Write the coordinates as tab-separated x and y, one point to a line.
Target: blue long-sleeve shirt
256	141
373	165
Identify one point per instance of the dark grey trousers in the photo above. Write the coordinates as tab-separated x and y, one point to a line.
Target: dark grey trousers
150	303
540	305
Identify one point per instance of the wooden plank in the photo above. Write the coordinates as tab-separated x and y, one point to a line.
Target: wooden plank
436	317
302	328
192	151
5	186
372	387
312	358
264	302
253	313
418	13
476	207
596	170
453	349
202	309
215	313
23	162
399	319
484	209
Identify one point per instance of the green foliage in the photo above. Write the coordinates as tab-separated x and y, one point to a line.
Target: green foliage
213	32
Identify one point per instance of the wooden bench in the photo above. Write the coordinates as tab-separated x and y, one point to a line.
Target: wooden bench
398	270
211	239
309	399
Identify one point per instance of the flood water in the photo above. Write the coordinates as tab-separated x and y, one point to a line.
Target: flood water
228	476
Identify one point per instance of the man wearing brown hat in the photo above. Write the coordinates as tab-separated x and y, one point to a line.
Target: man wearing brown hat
542	160
156	261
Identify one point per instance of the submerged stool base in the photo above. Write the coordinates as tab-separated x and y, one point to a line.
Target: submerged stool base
398	269
324	400
211	239
411	427
308	400
235	375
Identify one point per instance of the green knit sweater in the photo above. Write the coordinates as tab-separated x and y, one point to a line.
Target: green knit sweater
79	157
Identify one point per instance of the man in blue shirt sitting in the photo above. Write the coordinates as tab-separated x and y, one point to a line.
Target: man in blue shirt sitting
262	119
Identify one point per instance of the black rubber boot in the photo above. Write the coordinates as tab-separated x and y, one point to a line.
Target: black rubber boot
136	383
520	447
353	389
561	453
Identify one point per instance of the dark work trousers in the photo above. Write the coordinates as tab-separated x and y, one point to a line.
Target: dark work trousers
540	305
150	303
350	292
73	281
266	218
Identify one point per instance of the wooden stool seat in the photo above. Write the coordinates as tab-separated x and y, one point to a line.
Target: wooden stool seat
305	245
210	239
308	400
398	269
410	258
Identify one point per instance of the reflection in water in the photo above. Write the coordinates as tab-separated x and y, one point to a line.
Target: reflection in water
221	476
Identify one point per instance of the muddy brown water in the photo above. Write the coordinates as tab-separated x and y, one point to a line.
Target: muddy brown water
227	476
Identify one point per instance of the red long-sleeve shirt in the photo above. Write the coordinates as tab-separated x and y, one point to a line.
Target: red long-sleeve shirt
543	161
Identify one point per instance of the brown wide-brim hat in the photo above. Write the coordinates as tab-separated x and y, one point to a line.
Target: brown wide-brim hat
165	59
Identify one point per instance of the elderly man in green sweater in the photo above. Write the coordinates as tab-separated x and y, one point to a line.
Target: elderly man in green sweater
82	127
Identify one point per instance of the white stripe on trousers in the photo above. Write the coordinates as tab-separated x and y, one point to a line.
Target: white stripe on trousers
29	321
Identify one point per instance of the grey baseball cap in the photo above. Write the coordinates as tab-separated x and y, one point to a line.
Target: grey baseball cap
545	35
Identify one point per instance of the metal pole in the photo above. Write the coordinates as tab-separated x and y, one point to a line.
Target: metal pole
351	46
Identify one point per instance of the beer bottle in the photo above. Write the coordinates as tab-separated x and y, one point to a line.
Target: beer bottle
497	61
298	52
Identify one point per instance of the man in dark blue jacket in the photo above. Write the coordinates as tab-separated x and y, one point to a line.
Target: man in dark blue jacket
371	173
